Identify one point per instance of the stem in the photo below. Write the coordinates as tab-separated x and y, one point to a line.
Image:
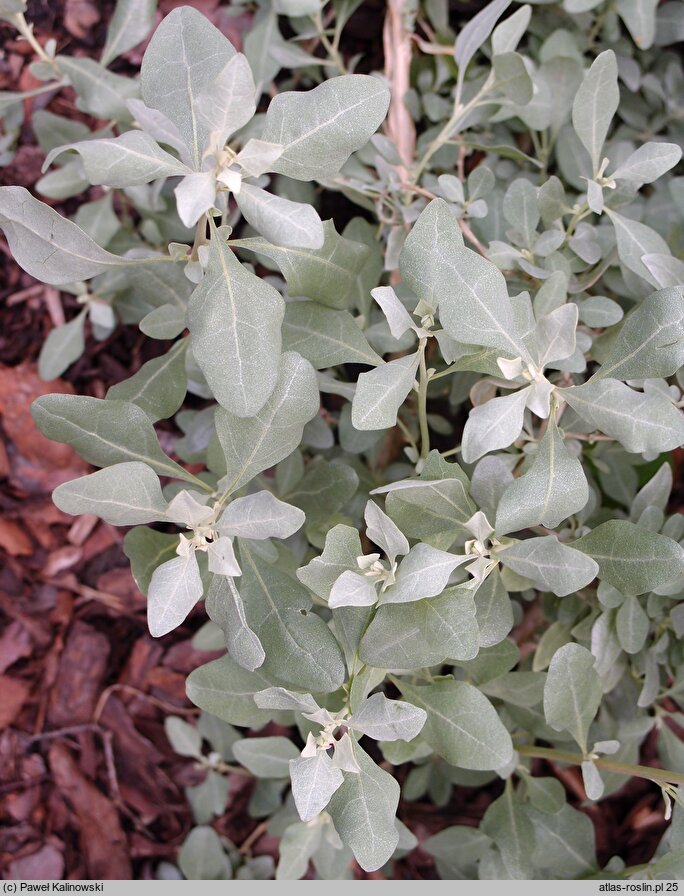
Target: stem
657	775
407	433
330	48
422	401
396	37
26	32
459	114
451	451
583	212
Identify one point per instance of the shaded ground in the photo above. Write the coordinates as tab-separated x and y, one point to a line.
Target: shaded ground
89	787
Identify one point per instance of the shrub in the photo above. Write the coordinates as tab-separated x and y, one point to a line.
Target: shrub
430	524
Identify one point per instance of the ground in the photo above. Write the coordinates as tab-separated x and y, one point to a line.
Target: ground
89	786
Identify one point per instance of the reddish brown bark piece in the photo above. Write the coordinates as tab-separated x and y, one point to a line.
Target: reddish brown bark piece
14	540
15	644
38	464
82	667
45	864
102	840
144	786
13	695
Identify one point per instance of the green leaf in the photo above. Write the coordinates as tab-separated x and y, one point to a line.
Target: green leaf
363	812
297	845
325	337
175	588
202	857
352	590
228	102
424	572
195	196
224	606
425	259
259	516
656	493
475	33
494	611
493	425
321	128
146	549
281	221
640	18
266	757
471	292
185	739
124	495
650	342
507	822
209	798
632	559
457	850
98	219
595	104
46	245
550	564
104	431
342	547
130	24
422	633
258	41
132	159
384	719
564	843
63	346
226	690
632	625
184	58
234	314
325	488
300	648
572	693
512	78
647	163
665	269
381	392
552	489
425	508
545	794
100	92
641	422
159	387
634	240
253	444
327	275
314	781
462	725
508	34
165	322
383	532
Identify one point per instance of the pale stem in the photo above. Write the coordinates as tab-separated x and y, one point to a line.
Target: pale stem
396	39
330	46
452	125
26	32
657	775
422	401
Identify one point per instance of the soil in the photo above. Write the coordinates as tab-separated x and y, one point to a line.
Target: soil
89	786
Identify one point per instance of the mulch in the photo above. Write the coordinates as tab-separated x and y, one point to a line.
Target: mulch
89	786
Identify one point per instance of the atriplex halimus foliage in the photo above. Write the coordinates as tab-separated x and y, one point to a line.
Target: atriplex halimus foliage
520	334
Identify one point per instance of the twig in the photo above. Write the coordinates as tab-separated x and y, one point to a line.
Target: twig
397	46
253	837
657	775
161	704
